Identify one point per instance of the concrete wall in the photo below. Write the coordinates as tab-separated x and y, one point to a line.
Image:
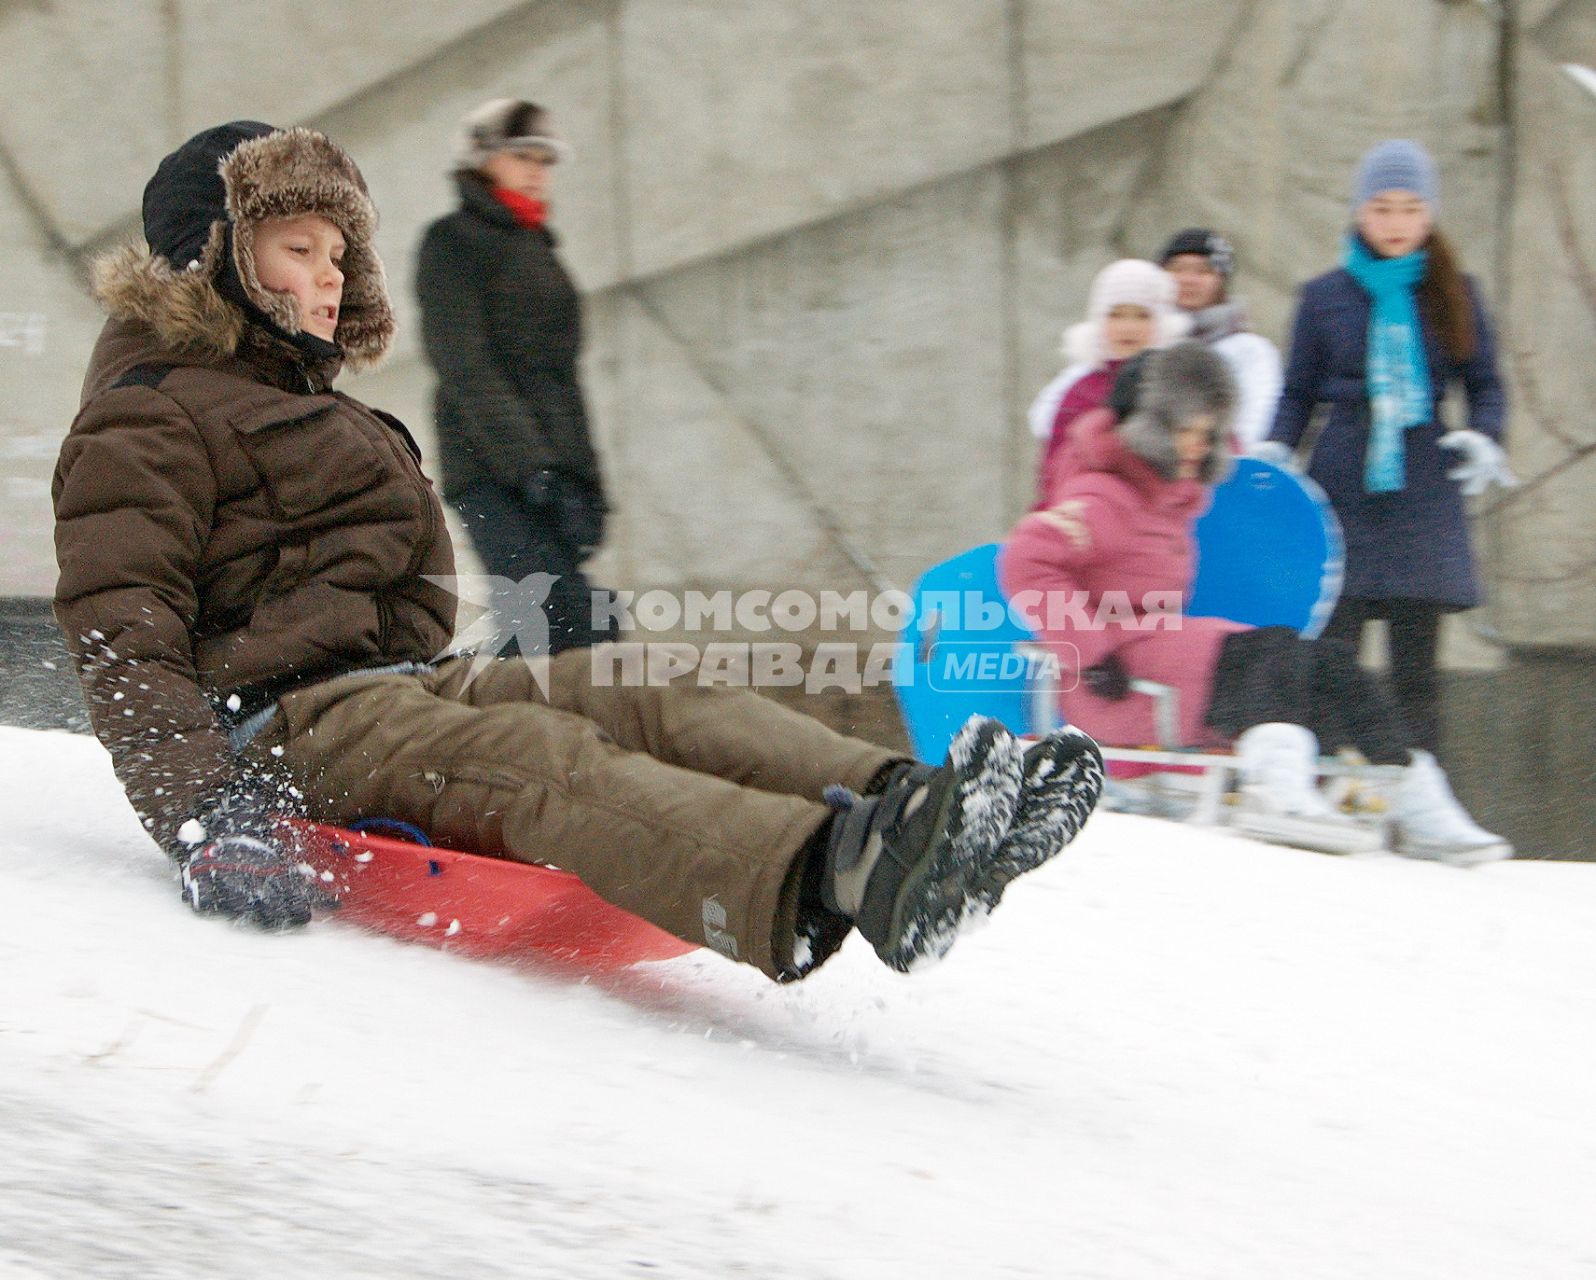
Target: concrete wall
829	248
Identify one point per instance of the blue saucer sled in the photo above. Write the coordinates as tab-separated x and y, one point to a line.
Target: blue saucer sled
1269	552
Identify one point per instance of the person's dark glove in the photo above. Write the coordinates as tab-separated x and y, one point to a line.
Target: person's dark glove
238	862
245	877
572	506
1107	679
541	489
582	516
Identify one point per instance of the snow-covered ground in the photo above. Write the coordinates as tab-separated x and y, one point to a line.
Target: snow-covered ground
1172	1054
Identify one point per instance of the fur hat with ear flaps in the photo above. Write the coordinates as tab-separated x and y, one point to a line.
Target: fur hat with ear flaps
195	284
1178	383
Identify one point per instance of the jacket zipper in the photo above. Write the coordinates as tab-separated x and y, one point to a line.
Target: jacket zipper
429	517
418	481
429	520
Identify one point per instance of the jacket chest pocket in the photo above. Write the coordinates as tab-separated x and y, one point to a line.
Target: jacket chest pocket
309	455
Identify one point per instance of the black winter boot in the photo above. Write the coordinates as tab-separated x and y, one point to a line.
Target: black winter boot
906	865
1061	784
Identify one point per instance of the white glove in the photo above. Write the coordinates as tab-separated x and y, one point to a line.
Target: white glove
1277	454
1482	462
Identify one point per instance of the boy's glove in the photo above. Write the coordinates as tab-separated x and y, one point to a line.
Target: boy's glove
1482	462
245	877
237	862
1276	453
1107	679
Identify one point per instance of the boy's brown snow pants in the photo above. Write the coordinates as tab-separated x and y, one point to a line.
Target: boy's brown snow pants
689	807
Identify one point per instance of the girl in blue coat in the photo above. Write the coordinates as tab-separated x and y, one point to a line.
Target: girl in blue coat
1378	341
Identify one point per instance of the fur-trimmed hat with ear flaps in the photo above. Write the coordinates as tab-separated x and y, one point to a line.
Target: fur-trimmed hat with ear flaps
196	284
1129	282
1177	384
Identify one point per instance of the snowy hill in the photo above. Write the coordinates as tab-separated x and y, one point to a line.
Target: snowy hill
1172	1054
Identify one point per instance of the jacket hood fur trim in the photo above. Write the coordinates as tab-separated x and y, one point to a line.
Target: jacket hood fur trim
284	174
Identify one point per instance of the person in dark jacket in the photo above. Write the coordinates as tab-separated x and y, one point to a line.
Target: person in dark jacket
1379	341
502	325
250	568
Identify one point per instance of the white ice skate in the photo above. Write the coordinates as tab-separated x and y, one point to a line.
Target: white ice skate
1428	822
1280	800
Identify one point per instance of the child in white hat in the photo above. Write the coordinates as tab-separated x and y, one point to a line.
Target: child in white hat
1131	309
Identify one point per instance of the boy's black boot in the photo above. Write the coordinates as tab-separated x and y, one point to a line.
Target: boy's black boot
1061	783
906	864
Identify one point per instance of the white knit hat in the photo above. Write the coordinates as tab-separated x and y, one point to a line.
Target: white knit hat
1132	282
488	129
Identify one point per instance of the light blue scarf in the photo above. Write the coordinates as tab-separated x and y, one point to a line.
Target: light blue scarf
1398	367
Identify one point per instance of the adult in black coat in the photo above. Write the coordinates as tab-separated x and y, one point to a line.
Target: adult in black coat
502	325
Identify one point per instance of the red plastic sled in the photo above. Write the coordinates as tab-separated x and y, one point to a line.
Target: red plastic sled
485	907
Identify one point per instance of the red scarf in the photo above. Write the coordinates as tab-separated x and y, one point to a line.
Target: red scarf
528	212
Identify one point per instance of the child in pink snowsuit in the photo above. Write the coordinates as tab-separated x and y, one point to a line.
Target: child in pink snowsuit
1109	560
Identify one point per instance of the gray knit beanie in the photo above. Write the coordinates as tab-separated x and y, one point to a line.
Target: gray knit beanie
1397	165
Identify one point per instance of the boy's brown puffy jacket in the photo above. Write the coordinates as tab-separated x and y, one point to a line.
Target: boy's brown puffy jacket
226	527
